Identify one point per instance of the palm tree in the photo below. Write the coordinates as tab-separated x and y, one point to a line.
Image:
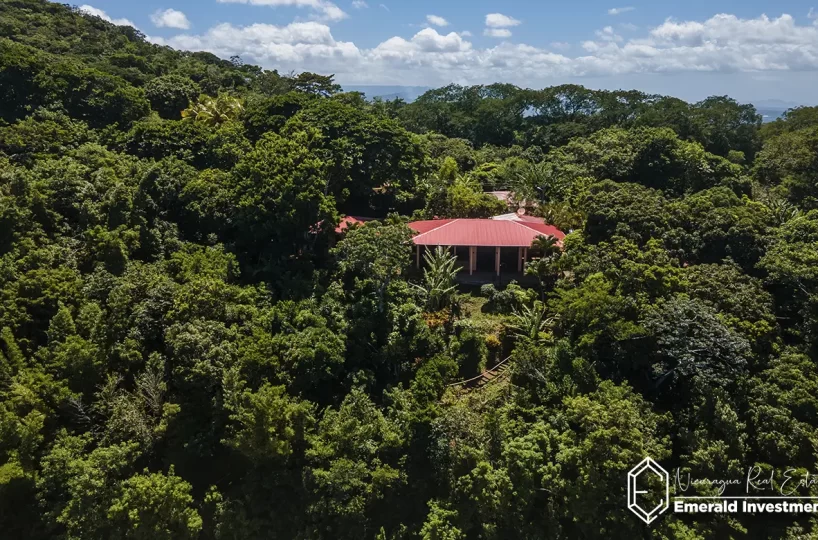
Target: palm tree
783	211
214	111
537	182
439	279
547	245
544	268
561	216
531	323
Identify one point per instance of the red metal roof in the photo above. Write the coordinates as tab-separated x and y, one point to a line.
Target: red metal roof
543	229
346	221
481	232
426	226
514	216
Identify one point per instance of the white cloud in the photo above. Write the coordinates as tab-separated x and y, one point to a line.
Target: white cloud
324	9
91	10
498	20
170	18
724	43
620	10
435	20
466	33
608	34
299	46
497	32
560	45
427	40
384	6
359	4
497	25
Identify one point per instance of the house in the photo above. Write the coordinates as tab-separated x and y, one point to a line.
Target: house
499	244
348	221
520	216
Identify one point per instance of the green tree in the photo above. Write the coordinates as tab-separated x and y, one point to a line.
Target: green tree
784	412
627	210
268	424
727	125
279	198
531	324
263	115
76	488
438	525
788	162
469	349
312	83
793	119
790	263
171	94
355	468
725	226
610	430
466	199
380	253
43	133
545	267
154	506
373	162
691	343
439	276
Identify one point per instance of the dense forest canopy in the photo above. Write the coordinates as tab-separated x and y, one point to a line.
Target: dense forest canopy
187	349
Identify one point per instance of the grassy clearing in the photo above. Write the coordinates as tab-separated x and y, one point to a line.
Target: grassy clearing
472	309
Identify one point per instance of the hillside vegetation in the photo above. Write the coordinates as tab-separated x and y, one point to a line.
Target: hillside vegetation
187	351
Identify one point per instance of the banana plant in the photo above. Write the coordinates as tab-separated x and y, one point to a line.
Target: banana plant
439	284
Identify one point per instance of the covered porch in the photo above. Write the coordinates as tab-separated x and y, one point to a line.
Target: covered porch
487	250
483	264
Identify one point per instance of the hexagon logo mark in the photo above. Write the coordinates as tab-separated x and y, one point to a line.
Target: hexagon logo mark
648	490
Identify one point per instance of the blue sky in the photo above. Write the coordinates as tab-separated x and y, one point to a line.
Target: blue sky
751	50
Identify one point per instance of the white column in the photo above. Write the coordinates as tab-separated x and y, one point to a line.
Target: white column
417	256
519	259
497	260
472	261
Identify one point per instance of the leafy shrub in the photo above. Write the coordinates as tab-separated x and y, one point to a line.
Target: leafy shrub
495	347
171	94
470	350
506	301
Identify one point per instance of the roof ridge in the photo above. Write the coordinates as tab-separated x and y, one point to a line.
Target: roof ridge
522	224
436	228
527	225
